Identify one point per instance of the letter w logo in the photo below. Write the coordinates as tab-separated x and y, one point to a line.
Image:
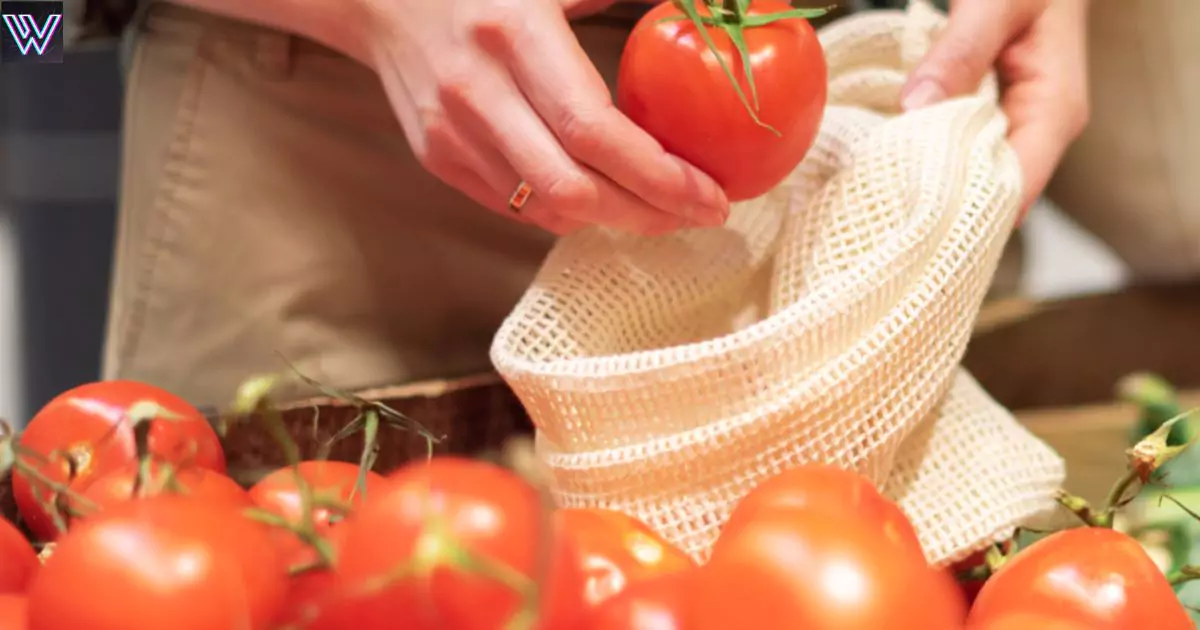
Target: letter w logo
28	34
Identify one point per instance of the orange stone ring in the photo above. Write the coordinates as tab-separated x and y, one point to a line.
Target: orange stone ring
519	197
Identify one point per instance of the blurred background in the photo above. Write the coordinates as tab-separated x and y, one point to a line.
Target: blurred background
59	145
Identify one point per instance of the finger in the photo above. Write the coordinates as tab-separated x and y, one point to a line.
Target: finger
1047	94
966	50
570	96
493	110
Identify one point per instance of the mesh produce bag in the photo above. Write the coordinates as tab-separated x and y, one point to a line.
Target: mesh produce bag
824	323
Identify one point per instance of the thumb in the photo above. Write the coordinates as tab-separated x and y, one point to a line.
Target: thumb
978	30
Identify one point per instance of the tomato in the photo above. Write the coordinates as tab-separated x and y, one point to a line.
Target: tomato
657	603
483	511
820	487
820	570
85	432
278	494
14	612
160	562
1094	576
308	590
117	486
616	550
671	84
1024	621
18	560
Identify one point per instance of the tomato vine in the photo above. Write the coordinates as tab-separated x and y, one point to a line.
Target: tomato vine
730	17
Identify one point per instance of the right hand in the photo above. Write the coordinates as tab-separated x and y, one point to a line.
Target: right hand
494	92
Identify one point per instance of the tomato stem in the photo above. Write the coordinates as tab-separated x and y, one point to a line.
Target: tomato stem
57	490
730	17
1116	498
1079	507
304	530
141	441
1185	574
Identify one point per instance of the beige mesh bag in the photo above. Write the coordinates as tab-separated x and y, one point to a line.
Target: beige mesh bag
825	323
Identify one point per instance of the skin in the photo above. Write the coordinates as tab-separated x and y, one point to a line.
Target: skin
1038	49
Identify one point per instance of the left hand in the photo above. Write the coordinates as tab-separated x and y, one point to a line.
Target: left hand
1038	48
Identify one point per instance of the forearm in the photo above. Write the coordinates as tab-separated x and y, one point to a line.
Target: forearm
338	24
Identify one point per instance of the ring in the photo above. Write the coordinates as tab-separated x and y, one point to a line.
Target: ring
519	197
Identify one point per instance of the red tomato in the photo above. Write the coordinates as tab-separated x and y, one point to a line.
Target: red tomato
117	486
1023	621
160	562
308	591
616	550
819	487
18	560
14	612
1094	576
278	494
85	432
820	570
671	85
486	512
657	603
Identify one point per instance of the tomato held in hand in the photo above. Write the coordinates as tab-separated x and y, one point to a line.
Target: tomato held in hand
161	562
18	561
87	431
616	550
657	603
826	488
438	527
820	570
671	84
1095	576
121	485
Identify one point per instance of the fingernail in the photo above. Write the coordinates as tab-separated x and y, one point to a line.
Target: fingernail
925	93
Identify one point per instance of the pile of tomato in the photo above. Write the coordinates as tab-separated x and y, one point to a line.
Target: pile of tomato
140	529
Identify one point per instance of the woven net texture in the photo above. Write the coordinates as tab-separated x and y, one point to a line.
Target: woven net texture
668	376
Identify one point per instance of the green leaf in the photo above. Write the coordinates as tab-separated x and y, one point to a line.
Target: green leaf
689	9
739	42
751	21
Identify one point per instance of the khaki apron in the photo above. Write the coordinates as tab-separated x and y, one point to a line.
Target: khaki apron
271	209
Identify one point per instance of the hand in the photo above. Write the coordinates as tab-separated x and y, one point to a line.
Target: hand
1038	48
494	92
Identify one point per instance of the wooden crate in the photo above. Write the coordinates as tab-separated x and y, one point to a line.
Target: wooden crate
1056	364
